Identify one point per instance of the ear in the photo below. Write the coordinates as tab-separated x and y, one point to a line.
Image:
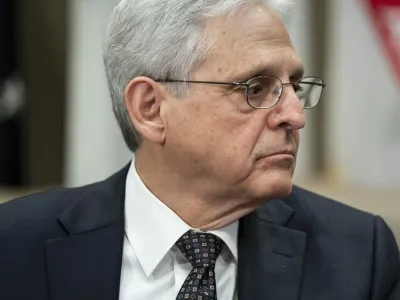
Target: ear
143	101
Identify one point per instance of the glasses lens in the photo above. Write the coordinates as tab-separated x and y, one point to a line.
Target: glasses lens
263	91
309	91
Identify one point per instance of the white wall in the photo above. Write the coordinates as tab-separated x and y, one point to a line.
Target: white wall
363	98
95	148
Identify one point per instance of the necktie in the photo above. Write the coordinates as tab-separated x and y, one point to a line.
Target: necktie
201	250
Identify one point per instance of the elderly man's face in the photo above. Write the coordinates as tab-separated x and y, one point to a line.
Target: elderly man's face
216	137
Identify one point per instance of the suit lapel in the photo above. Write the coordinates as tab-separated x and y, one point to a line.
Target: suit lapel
87	263
270	254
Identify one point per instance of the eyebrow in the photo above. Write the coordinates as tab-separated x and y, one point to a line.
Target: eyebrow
297	73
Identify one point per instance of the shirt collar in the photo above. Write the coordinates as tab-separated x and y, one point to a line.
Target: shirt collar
152	228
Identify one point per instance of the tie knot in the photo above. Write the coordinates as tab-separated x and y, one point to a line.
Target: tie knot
201	249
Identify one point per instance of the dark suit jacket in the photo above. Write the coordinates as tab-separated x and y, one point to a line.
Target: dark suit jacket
67	245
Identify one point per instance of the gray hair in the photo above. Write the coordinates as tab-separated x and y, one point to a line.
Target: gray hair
160	39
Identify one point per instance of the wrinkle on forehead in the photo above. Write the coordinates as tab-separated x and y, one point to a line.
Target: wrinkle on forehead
248	37
251	22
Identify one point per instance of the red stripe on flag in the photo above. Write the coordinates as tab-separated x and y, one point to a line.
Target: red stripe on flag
386	19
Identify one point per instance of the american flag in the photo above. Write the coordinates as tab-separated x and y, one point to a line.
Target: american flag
386	18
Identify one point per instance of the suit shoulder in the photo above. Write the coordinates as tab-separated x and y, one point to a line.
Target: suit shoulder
316	209
324	204
40	209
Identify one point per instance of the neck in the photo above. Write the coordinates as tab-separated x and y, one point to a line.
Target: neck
188	197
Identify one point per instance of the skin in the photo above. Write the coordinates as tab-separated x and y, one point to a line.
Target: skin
209	156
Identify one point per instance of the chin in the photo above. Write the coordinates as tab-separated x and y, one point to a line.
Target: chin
275	184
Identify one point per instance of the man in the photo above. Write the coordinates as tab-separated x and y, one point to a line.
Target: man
210	96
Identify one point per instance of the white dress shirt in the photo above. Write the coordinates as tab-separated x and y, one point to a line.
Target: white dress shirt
152	266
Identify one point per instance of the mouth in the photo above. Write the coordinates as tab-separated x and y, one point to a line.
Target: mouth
283	153
285	158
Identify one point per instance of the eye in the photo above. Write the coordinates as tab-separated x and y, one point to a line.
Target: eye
255	88
263	91
265	85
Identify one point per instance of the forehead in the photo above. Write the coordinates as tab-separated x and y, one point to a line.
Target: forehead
254	40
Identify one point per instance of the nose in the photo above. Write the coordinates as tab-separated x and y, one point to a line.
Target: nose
288	112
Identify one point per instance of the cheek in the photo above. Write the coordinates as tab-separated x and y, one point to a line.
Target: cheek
234	144
239	132
296	136
215	134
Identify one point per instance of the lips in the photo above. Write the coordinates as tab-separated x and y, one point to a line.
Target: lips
289	152
280	152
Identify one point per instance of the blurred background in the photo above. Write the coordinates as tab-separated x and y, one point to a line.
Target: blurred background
57	126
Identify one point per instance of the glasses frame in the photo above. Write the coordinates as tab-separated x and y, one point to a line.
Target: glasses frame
246	84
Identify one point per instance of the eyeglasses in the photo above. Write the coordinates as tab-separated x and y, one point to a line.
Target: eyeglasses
265	91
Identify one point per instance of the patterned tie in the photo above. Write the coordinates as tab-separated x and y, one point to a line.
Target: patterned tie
201	250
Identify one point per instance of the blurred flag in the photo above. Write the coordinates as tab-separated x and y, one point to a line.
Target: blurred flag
386	18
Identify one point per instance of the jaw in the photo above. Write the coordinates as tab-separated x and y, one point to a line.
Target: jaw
270	182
